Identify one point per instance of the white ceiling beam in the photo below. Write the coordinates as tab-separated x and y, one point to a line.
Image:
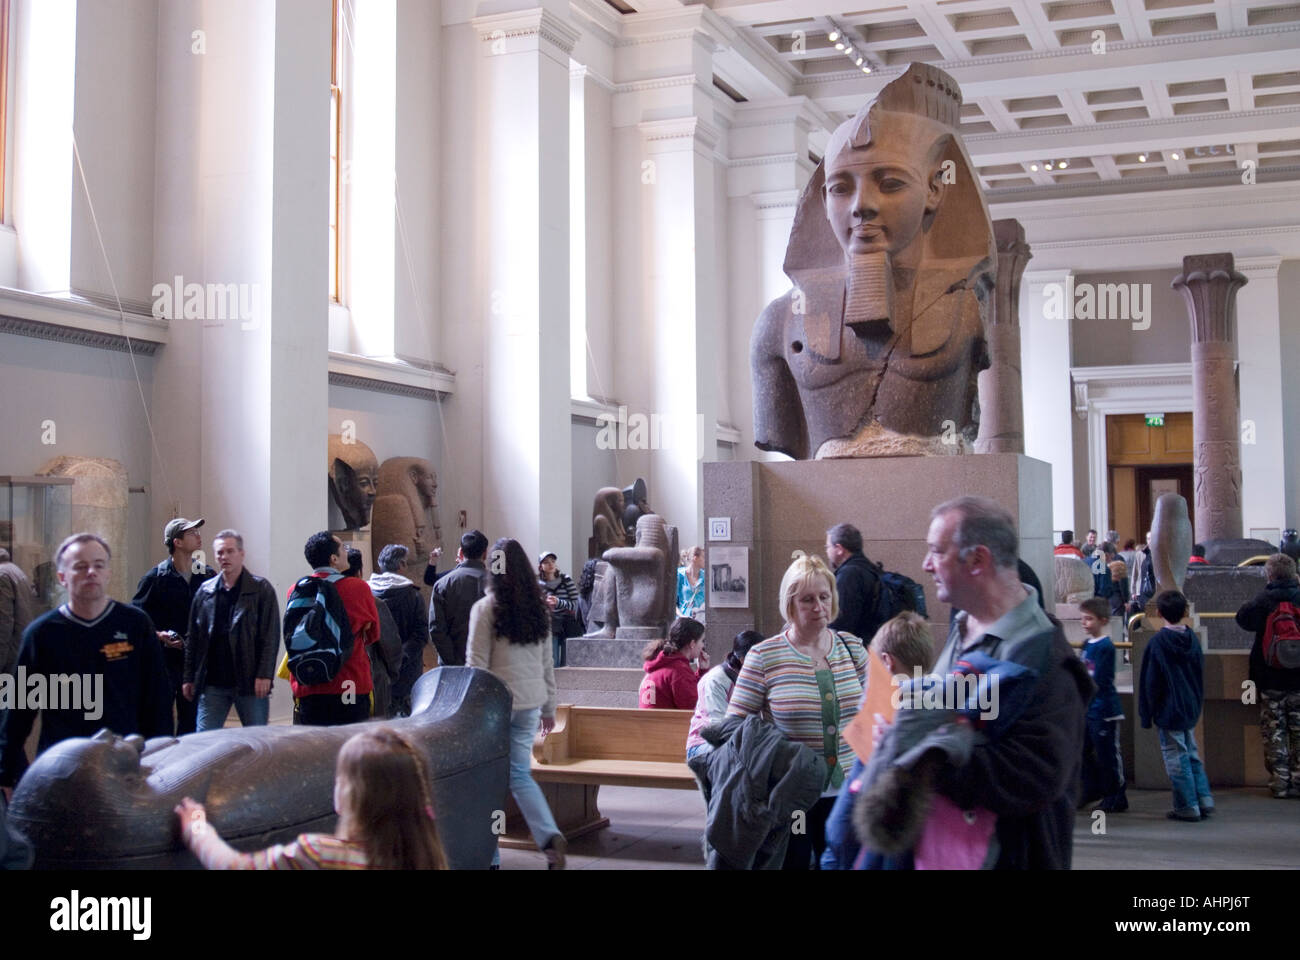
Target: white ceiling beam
1135	135
1034	74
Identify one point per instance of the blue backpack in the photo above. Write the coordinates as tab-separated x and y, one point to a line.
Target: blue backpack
317	632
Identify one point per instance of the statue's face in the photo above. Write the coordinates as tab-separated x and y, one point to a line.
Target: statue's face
876	204
427	484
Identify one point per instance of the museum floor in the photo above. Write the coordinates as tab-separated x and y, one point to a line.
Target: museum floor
661	829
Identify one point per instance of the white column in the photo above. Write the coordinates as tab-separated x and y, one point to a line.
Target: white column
1045	318
677	215
1259	373
523	146
294	356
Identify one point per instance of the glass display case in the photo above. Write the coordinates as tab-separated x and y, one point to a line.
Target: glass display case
35	517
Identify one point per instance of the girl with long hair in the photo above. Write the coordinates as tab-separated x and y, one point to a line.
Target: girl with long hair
509	635
381	794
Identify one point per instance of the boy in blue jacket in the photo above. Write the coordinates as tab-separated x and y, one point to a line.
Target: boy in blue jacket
1171	688
1103	775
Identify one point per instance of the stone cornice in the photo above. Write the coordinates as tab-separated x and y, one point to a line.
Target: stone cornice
390	376
678	129
78	335
76	318
537	22
1259	268
1243	232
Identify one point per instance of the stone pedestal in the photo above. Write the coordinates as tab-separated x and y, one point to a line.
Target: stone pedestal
776	508
601	652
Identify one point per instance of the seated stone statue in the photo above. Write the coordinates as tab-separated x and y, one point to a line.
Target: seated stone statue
877	349
107	801
645	580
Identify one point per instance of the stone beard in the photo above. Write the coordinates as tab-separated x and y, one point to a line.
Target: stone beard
877	349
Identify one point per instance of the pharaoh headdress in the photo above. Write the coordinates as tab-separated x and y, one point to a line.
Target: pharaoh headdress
915	119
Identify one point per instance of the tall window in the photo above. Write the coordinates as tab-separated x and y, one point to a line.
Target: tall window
336	151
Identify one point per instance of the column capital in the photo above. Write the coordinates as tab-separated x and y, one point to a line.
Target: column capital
1041	278
1260	268
1209	285
662	132
1013	255
524	29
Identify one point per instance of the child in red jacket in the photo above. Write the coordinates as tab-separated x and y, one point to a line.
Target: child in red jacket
670	682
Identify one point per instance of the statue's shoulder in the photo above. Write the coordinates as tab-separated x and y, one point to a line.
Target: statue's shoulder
770	326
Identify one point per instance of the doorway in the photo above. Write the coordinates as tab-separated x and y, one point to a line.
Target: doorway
1143	461
1152	482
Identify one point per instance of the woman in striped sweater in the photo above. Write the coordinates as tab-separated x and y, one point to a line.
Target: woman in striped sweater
808	680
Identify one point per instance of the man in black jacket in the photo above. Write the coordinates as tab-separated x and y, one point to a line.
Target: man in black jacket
166	593
1278	689
402	598
453	596
232	642
856	582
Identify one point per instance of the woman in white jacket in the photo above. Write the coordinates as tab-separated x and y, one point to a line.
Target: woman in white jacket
509	635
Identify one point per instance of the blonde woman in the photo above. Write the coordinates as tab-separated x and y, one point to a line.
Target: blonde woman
808	680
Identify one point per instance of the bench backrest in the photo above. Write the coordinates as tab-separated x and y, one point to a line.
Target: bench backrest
616	733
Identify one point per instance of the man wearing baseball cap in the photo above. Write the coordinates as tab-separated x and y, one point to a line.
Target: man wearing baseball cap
165	593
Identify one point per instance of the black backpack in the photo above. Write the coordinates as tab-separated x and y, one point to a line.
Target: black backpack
894	594
317	632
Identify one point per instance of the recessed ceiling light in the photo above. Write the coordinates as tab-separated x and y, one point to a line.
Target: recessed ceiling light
866	69
1033	167
833	36
849	50
1062	164
1173	156
839	46
1142	158
859	61
1047	166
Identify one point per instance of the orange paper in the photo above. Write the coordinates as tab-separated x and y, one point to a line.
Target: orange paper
879	699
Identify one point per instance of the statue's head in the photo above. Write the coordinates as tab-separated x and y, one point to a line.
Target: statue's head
426	482
354	479
895	180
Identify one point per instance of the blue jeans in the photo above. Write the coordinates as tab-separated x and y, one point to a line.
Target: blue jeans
1183	764
215	703
528	795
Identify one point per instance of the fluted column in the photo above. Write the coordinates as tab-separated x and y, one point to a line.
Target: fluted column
1209	284
1002	417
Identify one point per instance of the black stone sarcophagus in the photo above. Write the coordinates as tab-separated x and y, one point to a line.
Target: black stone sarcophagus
106	802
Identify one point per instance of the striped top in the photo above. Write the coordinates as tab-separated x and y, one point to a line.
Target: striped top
779	682
312	851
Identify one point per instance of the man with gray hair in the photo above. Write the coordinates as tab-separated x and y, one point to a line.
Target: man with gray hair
402	597
1028	776
17	609
233	641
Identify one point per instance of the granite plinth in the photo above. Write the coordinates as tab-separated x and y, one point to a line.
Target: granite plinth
778	507
1232	551
1218	593
598	652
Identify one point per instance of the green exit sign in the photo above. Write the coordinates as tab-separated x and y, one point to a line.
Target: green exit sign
1155	419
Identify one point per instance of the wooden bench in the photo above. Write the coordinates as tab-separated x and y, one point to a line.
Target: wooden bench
595	746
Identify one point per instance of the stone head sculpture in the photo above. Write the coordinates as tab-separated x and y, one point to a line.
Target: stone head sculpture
607	522
405	510
354	480
635	505
877	349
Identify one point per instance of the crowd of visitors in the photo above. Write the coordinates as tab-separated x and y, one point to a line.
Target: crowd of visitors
946	784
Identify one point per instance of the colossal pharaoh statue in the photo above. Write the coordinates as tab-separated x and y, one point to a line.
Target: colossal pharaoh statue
406	510
877	349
